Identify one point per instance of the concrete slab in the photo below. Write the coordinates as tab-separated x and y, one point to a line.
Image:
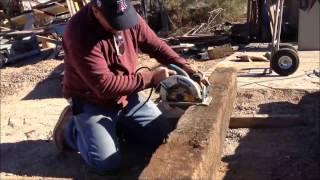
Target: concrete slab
193	149
251	74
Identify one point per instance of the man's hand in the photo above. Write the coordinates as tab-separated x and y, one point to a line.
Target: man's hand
190	70
160	74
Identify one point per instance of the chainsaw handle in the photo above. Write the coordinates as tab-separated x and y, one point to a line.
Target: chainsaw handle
177	69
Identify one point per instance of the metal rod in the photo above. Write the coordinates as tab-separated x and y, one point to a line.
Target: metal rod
280	25
275	28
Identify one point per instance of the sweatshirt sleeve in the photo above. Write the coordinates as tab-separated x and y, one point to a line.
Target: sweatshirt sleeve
91	66
151	44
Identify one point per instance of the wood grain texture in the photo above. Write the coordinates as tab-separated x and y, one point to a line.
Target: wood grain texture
193	149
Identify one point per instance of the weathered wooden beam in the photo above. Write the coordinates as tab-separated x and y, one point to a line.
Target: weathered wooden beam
266	121
193	149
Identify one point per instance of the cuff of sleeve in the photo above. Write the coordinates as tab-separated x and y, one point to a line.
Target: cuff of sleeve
147	79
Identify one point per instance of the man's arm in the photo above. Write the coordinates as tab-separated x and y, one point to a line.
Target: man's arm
151	44
93	70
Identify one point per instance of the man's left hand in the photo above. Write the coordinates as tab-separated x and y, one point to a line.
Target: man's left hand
190	70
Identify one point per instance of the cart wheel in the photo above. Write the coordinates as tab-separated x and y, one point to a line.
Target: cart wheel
288	46
285	62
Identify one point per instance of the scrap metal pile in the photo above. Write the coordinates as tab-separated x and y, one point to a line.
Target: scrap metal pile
34	29
209	40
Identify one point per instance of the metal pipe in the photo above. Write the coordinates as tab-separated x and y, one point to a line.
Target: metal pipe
280	24
275	28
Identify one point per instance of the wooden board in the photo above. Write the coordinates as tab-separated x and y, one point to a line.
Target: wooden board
219	52
266	121
53	10
193	149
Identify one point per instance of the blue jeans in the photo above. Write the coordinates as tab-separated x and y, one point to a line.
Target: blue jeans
93	132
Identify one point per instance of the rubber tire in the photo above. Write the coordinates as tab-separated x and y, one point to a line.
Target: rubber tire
288	46
285	52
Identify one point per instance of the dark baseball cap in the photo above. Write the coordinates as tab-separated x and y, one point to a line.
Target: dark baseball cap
119	13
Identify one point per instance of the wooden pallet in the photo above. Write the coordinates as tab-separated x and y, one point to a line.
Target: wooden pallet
75	5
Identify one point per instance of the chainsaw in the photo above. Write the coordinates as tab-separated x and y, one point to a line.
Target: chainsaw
182	90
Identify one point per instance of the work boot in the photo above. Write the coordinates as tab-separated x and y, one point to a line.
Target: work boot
58	131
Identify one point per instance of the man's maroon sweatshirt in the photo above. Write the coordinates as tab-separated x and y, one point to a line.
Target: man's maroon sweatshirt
93	71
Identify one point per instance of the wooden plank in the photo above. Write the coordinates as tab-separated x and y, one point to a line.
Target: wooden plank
53	10
22	33
47	42
56	9
193	149
220	52
42	12
266	121
60	4
47	4
69	7
76	5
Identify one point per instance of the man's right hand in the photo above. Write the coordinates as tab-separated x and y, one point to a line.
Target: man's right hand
160	74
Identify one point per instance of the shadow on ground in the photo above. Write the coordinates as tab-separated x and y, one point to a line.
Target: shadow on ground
283	153
50	87
308	108
25	158
44	55
40	158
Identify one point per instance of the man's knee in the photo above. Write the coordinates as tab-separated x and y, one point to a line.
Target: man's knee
104	165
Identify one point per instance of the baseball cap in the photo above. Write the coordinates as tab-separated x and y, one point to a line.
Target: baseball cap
119	13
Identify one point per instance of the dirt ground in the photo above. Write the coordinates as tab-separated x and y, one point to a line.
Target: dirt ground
254	75
274	153
278	153
31	102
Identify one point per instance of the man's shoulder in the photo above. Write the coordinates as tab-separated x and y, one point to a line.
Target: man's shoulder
78	22
77	27
140	23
